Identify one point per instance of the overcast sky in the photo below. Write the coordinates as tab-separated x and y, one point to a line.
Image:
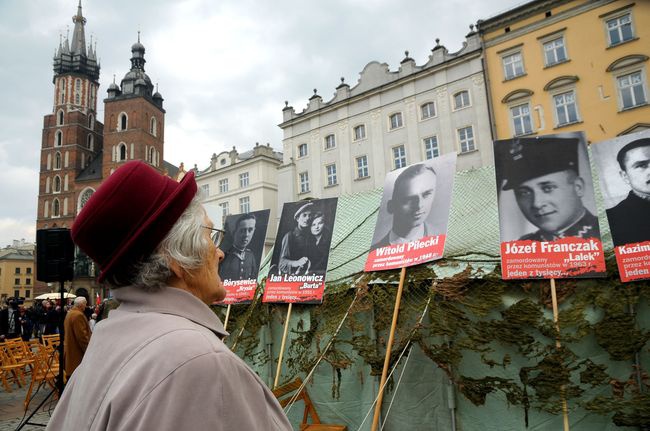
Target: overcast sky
225	68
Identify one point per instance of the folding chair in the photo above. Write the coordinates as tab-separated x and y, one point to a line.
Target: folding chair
286	393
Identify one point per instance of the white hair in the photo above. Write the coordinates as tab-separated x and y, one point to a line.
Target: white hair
80	301
186	244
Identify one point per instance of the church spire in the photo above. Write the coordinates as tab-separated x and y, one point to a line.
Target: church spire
78	36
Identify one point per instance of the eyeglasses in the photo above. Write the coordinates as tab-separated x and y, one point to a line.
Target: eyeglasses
216	235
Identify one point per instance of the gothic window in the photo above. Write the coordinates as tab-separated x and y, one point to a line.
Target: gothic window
91	142
152	155
57	160
84	197
123	121
122	152
58	138
62	85
57	184
56	208
153	127
59	117
77	91
91	121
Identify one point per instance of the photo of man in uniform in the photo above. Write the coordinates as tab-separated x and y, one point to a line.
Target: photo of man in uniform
239	262
629	220
544	175
410	205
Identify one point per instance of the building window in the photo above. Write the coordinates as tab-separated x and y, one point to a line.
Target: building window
91	142
631	90
565	108
57	184
77	92
362	167
152	155
461	99
330	170
243	180
302	150
58	138
222	162
399	157
224	210
396	121
28	271
91	121
521	119
28	281
17	271
62	85
56	208
244	205
122	152
57	160
223	185
205	190
513	65
619	29
428	110
84	197
59	118
359	132
330	142
153	127
466	139
304	182
123	122
431	149
28	293
554	51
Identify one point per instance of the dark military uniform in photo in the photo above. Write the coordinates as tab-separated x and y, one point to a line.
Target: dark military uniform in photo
525	159
629	221
238	265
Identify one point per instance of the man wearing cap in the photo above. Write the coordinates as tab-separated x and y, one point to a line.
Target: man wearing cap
240	262
543	173
158	361
296	244
629	220
410	205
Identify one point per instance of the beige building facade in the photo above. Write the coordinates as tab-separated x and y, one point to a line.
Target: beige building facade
237	183
388	120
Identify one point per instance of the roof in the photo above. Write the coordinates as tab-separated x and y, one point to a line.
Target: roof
171	169
472	236
17	255
93	171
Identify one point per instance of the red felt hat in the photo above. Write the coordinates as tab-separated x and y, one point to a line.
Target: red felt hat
130	214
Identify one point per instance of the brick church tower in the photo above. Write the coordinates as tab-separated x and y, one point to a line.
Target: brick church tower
77	151
72	136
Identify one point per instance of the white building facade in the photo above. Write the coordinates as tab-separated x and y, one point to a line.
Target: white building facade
237	183
386	121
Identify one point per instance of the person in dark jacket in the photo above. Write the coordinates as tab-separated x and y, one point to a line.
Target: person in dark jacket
629	219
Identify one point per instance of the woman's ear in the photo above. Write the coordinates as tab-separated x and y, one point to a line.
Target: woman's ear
176	269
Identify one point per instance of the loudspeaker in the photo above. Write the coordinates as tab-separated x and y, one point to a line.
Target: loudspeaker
54	255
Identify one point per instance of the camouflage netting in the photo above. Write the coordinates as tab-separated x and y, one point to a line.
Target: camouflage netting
469	342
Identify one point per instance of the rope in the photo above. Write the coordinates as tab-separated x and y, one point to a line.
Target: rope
294	397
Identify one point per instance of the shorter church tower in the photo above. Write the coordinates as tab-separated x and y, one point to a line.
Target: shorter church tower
134	118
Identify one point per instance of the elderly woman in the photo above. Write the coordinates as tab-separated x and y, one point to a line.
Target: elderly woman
158	361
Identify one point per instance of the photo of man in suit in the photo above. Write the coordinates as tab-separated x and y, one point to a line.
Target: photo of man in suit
544	175
629	219
410	205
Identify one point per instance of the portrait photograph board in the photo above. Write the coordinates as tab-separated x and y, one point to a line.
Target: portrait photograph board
411	226
624	170
547	210
301	252
243	246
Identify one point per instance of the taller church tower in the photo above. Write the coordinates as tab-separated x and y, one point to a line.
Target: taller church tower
72	136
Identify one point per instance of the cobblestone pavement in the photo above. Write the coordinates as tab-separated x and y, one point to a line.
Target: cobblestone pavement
12	412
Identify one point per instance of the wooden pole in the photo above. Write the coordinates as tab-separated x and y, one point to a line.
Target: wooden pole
284	340
384	373
225	321
556	318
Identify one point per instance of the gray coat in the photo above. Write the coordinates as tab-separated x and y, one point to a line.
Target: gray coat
158	363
